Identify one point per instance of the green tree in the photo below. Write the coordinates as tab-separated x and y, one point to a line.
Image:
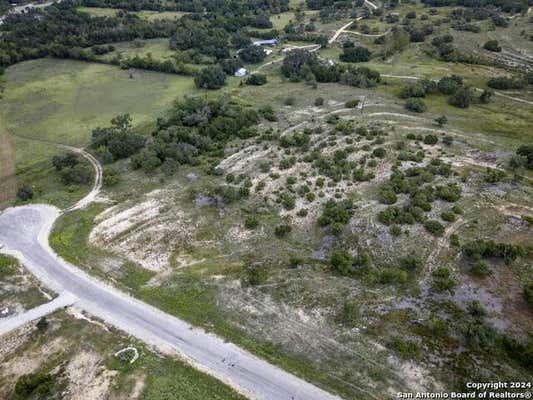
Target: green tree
212	77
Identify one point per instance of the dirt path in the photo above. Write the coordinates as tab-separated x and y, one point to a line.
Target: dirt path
368	34
98	178
443	242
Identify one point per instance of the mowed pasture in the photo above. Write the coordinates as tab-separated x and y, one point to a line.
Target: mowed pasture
61	101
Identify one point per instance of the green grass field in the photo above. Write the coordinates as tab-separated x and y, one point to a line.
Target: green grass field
158	48
149	15
63	100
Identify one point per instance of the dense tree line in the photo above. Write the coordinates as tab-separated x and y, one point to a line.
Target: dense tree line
59	29
301	64
195	127
193	6
513	6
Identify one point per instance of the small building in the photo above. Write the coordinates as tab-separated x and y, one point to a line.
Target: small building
241	72
268	42
268	52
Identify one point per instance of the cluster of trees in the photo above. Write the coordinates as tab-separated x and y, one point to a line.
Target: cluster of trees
478	249
301	64
354	54
195	127
460	95
509	6
523	157
152	5
71	170
336	214
193	6
62	31
414	182
211	77
116	141
505	83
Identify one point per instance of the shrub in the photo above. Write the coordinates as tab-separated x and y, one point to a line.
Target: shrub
430	139
387	196
441	121
447	140
25	193
450	192
461	98
111	176
42	324
289	101
251	222
288	201
268	113
492	45
449	84
256	79
349	314
443	280
302	212
36	384
526	151
395	230
448	216
379	152
434	227
405	348
341	262
494	175
282	230
528	294
333	212
256	275
355	54
66	160
415	105
392	276
410	263
352	103
80	174
480	269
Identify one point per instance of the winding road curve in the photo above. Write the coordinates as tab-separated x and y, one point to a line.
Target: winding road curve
24	234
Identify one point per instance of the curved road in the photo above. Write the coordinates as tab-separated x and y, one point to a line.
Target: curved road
24	233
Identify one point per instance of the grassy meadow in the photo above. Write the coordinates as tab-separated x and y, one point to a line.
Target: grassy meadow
51	101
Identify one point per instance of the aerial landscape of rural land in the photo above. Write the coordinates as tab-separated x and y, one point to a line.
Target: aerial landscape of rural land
266	199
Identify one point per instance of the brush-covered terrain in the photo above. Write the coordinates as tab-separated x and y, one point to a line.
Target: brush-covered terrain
356	208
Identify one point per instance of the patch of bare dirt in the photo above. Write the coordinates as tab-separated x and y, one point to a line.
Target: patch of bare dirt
88	378
147	233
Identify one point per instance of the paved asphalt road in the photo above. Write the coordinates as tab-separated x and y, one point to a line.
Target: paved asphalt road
24	233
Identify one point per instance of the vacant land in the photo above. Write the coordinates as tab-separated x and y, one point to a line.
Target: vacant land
76	357
360	215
